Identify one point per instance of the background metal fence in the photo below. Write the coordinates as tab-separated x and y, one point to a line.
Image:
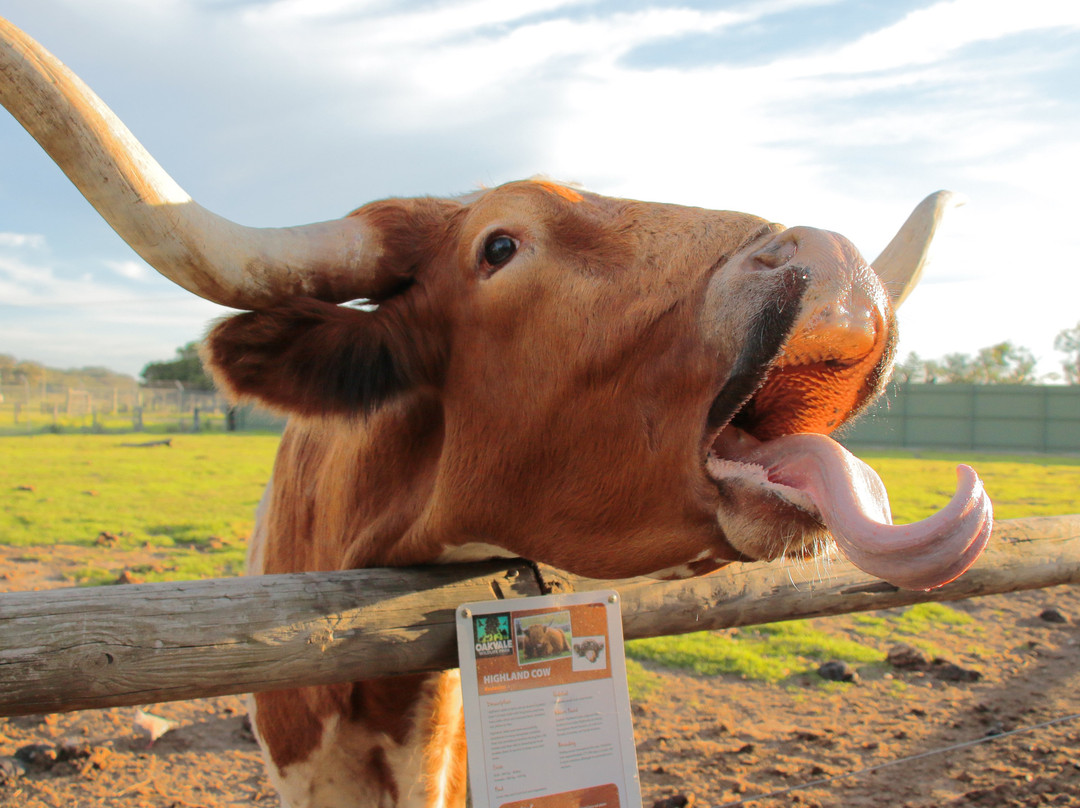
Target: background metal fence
1001	417
29	408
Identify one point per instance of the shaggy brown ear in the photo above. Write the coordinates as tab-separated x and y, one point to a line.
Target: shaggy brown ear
307	357
310	357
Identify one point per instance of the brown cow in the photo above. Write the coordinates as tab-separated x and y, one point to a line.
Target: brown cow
609	386
544	641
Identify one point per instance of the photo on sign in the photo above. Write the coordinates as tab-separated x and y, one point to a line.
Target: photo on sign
543	637
589	653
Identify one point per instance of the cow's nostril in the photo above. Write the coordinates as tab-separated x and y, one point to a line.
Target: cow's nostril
837	335
777	253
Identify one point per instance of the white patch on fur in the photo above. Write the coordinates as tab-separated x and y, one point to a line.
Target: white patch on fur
681	571
333	775
473	551
307	784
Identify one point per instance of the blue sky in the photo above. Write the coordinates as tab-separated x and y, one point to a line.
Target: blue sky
841	115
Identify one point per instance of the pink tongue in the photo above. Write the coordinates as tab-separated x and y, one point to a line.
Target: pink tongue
855	507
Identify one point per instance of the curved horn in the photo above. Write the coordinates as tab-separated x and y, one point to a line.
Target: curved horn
901	263
237	266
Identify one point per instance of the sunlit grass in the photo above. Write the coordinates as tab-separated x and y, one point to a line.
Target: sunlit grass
768	653
780	651
195	499
914	623
920	483
915	620
640	682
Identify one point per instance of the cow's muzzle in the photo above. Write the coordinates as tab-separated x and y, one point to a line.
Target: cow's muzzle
820	342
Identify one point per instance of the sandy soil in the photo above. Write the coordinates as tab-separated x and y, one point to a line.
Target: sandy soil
702	741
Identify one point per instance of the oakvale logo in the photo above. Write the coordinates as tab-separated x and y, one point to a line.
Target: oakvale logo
492	634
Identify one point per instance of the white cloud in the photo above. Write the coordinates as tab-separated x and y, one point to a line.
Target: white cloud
430	24
30	240
133	270
934	33
30	284
40	287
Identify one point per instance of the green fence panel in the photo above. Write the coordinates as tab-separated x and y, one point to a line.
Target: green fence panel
1017	418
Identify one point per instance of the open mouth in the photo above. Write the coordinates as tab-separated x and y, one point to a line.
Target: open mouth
767	442
788	400
737	455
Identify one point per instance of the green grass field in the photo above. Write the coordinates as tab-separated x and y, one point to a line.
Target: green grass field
195	502
920	483
195	499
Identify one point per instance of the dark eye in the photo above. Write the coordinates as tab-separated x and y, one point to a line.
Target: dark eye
499	249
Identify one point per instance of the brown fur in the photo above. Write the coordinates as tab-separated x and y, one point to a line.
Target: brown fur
446	729
557	405
544	641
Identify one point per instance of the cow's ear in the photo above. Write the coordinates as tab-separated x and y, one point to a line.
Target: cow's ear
311	358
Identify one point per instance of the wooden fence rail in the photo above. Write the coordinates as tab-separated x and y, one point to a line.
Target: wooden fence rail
75	649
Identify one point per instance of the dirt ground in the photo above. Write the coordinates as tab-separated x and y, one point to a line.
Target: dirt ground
896	737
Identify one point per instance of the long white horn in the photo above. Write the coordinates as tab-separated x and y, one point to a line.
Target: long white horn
901	263
236	266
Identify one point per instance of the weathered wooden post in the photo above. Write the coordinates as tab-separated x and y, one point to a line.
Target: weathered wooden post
84	648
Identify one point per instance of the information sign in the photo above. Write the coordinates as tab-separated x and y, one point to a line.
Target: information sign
547	715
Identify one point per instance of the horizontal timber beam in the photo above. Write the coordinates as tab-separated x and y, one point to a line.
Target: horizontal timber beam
84	648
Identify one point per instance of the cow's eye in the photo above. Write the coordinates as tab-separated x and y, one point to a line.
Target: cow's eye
499	249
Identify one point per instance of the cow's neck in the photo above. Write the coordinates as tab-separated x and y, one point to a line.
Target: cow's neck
343	499
340	503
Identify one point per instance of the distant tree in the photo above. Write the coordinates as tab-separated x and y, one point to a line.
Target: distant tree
34	374
912	369
105	377
933	371
96	372
957	368
187	369
1004	363
1068	342
29	371
916	370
